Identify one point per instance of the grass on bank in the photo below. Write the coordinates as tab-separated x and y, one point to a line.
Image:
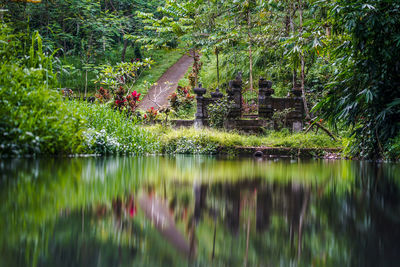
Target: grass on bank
110	132
208	141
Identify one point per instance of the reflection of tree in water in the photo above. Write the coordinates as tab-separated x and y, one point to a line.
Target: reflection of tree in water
264	209
329	221
367	217
289	201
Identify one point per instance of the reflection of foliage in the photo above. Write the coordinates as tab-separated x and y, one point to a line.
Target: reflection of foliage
349	202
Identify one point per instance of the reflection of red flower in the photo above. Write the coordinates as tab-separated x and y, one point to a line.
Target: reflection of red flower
145	116
132	211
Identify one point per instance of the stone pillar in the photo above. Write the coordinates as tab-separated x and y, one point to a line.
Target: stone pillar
200	114
217	94
265	99
297	118
235	95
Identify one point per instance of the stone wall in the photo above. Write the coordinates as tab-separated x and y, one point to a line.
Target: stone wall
267	106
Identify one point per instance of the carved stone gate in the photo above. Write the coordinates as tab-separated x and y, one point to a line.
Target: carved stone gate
267	106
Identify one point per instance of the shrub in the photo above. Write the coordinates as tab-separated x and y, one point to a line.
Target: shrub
103	95
182	102
392	149
34	119
151	115
112	132
218	112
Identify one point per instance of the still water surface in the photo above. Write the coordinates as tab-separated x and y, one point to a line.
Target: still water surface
198	211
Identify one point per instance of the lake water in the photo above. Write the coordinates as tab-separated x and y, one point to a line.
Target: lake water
198	211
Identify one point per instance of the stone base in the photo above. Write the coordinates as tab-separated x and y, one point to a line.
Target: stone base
297	126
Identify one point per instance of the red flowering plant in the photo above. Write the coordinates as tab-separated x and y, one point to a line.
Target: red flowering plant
133	100
127	103
120	99
151	114
103	95
181	101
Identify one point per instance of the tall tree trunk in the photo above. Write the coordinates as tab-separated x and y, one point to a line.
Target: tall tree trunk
216	53
250	52
86	72
292	13
303	63
236	49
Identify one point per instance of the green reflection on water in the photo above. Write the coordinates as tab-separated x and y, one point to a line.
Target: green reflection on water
85	212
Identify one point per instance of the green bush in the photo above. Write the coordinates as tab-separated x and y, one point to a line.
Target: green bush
34	119
218	112
182	103
109	131
392	149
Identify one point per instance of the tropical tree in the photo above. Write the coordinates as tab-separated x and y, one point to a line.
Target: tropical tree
365	90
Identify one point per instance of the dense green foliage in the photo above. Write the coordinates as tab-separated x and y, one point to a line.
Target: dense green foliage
365	90
108	131
343	55
75	223
87	34
34	118
218	112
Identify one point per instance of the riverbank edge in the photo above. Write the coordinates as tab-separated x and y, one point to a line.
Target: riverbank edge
282	152
237	151
260	152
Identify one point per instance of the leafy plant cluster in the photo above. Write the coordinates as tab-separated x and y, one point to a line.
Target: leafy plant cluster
342	55
364	93
218	112
34	119
280	117
182	102
108	131
151	115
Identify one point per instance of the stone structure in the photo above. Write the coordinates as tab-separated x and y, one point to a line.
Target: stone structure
265	108
201	114
235	95
267	105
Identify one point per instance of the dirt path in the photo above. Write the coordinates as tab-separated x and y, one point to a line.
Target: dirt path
166	84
